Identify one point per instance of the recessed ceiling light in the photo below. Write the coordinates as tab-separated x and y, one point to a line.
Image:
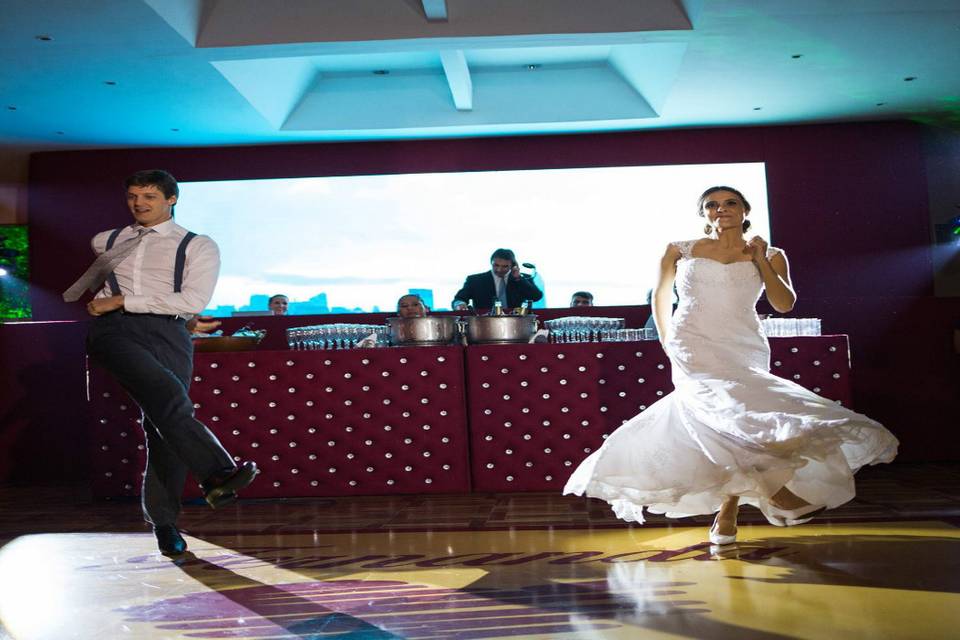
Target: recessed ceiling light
11	108
43	37
110	83
381	72
174	129
797	55
533	67
880	104
757	108
910	78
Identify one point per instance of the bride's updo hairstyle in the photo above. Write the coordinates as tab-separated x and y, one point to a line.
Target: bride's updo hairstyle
703	199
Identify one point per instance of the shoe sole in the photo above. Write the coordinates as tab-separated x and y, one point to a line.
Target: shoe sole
807	517
223	500
220	496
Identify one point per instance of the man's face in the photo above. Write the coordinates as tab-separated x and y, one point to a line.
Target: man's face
581	301
500	267
279	306
149	206
411	307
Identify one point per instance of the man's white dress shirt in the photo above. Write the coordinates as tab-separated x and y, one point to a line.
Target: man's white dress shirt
146	276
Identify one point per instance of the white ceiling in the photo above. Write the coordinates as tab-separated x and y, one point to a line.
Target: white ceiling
223	72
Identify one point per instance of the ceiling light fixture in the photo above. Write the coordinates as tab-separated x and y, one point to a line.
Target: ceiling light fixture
797	56
910	78
11	108
110	83
532	67
43	37
757	108
381	72
880	104
174	129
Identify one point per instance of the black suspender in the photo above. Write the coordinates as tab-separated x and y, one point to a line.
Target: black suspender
181	261
178	265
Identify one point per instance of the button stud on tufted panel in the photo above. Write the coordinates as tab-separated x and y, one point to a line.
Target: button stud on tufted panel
116	446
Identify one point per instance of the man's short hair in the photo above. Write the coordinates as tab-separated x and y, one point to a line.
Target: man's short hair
158	178
504	254
582	294
277	295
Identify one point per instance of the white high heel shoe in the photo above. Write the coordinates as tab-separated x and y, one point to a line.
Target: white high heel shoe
792	517
719	539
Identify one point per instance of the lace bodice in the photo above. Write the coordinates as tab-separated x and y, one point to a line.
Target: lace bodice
716	318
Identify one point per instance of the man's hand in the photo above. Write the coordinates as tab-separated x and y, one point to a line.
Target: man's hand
515	272
100	306
202	324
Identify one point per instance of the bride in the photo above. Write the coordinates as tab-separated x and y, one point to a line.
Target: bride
731	432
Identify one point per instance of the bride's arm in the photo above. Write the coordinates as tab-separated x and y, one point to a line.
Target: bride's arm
775	272
776	280
663	294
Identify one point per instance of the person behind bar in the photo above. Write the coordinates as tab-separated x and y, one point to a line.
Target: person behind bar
278	304
730	431
581	299
411	306
150	278
503	283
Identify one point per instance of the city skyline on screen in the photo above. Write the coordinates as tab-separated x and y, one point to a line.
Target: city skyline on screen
360	242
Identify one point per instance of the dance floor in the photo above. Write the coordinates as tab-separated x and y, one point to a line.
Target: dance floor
532	565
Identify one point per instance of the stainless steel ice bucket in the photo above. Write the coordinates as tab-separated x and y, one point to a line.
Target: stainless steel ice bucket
500	329
431	330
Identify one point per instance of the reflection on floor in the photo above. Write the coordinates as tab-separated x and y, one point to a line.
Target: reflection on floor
484	566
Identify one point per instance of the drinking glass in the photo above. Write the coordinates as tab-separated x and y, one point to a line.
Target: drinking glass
791	327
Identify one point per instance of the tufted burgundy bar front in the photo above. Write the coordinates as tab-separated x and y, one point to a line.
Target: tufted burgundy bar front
536	411
391	421
318	423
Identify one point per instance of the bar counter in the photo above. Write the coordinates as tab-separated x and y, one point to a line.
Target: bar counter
421	419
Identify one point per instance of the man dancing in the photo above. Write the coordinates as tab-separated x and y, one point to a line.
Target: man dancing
150	278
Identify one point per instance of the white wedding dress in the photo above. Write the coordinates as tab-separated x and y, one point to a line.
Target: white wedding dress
730	427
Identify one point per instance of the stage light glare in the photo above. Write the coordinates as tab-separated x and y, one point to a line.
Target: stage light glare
3	272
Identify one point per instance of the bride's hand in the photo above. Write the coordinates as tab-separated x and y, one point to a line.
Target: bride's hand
756	248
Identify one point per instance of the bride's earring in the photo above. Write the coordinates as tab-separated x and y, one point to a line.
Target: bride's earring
707	229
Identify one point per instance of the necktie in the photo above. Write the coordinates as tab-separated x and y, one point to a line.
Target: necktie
106	262
502	291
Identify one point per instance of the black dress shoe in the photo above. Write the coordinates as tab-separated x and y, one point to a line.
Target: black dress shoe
169	540
217	489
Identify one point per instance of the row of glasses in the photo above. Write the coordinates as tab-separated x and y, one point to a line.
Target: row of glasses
337	335
631	335
582	328
790	327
